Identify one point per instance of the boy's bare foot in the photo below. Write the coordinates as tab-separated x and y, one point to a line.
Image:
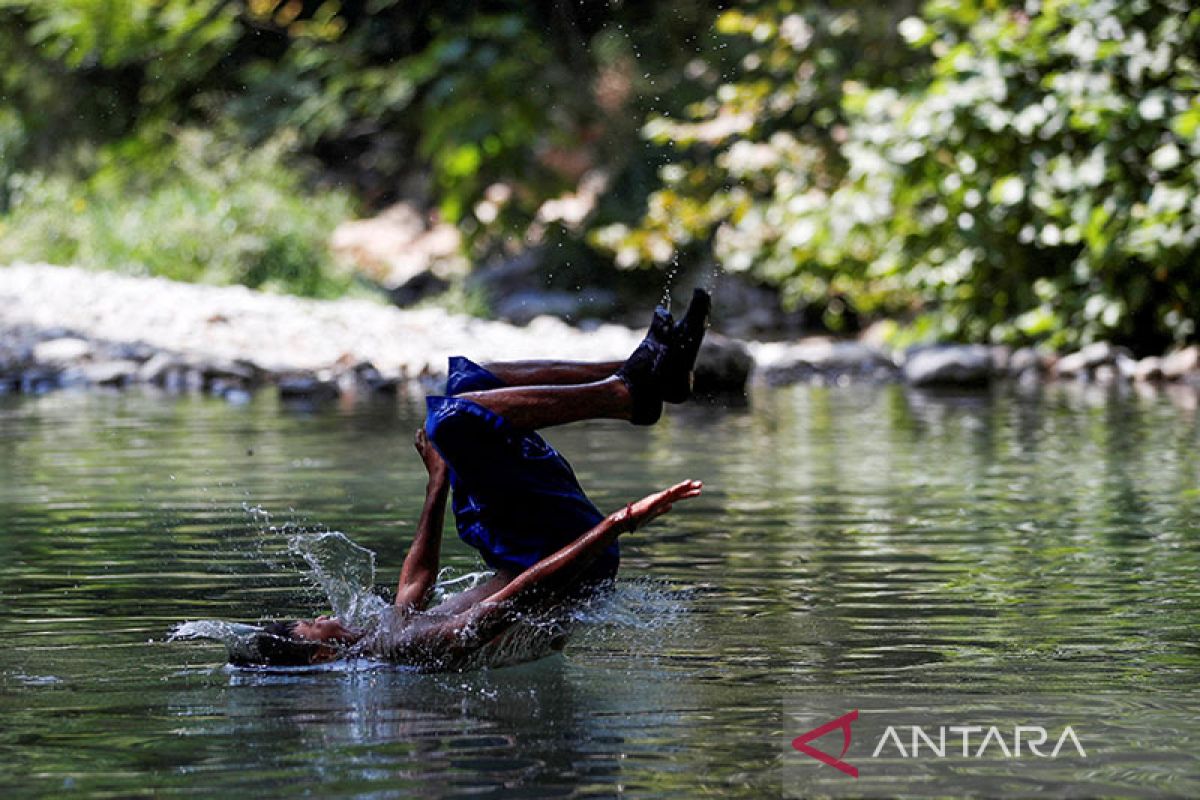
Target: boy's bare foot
435	465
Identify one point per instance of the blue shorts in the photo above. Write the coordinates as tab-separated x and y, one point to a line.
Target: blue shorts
515	499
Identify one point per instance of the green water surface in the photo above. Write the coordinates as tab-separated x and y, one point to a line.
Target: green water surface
849	538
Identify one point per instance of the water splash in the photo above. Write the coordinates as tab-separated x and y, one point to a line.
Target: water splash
642	604
669	283
449	583
238	637
634	617
345	573
714	275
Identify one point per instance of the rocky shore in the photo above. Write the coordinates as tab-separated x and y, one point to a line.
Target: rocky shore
67	327
63	327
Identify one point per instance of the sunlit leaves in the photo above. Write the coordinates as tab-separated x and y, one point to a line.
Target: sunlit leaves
1038	181
120	31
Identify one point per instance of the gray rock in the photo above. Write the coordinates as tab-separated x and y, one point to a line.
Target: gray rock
61	351
131	351
1029	380
187	380
788	362
948	365
1028	359
1082	363
1180	363
722	366
1071	365
39	380
241	370
417	288
1126	366
1001	357
307	387
364	378
156	369
14	355
221	387
102	373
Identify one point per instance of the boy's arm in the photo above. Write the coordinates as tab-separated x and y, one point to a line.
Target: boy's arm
491	616
420	569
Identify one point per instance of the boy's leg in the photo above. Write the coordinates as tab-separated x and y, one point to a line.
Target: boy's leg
632	390
679	344
552	373
534	407
576	391
538	394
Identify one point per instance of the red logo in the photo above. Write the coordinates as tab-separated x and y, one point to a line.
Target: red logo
801	743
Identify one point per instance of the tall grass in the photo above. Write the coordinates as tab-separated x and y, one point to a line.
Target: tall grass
199	209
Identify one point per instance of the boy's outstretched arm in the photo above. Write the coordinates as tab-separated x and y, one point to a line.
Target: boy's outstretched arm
420	569
554	572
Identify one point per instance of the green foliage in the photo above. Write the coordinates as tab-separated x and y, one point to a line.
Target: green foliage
1037	181
1039	185
81	71
197	209
482	113
503	108
1020	171
764	146
116	32
472	102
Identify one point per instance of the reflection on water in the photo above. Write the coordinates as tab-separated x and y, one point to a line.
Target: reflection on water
859	538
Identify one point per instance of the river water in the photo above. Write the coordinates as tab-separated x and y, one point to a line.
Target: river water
850	539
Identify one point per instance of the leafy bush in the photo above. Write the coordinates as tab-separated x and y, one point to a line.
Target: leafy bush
764	146
1039	180
196	210
1014	171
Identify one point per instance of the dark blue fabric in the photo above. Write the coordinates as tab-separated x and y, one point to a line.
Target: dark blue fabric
515	499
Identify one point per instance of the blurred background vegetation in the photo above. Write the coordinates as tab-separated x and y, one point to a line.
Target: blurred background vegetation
976	170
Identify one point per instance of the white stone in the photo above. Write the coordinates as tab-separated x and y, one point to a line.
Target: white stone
1178	364
61	351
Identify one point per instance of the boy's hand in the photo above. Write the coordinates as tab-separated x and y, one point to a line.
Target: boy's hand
655	505
435	465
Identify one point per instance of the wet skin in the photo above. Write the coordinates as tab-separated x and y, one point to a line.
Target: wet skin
325	629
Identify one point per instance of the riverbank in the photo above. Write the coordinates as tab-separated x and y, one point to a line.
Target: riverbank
65	326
